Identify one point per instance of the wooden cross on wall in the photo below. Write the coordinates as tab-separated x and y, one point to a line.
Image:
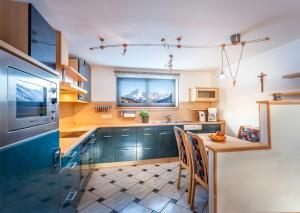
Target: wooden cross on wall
262	78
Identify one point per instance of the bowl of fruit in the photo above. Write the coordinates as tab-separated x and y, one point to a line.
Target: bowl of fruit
217	137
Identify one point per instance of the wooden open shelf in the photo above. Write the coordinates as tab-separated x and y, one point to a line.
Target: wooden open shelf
292	75
290	93
70	88
198	109
70	71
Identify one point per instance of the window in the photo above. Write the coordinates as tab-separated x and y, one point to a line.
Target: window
147	91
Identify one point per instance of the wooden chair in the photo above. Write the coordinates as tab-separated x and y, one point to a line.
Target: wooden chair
249	133
184	157
199	164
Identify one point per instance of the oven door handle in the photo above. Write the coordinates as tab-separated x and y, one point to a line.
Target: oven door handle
56	158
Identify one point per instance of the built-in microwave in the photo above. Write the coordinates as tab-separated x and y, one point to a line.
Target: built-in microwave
28	100
32	100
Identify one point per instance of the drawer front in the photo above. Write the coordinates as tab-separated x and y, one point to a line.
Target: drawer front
125	129
144	153
124	154
66	159
105	138
165	128
105	130
69	178
146	129
211	128
167	146
147	138
125	139
104	149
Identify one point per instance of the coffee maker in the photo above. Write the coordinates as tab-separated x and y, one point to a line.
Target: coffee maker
212	114
202	117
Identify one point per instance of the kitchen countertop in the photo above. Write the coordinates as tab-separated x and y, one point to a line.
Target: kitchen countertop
232	144
67	144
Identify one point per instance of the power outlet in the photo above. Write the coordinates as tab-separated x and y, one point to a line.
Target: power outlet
105	116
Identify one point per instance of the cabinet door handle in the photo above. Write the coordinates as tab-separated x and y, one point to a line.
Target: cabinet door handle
72	154
124	129
147	148
124	149
71	165
92	141
124	135
147	129
107	136
147	134
163	133
71	196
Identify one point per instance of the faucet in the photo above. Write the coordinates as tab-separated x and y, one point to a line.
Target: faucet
169	118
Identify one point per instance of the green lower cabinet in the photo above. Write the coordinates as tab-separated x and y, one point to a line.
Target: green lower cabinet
147	138
124	154
167	146
125	139
144	153
211	128
104	147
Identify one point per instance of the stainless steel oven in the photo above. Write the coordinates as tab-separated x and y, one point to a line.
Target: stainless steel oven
32	100
28	100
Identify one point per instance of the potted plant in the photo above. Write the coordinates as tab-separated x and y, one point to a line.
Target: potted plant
145	116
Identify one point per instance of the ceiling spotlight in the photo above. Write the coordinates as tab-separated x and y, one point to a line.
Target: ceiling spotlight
124	49
235	39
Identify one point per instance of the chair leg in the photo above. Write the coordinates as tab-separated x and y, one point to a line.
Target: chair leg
204	206
179	176
193	193
190	187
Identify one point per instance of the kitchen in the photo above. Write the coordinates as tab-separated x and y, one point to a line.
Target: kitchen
101	114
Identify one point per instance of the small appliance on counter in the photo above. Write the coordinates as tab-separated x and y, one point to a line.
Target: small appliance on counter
212	114
202	117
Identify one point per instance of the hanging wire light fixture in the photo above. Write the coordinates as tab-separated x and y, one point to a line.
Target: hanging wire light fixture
235	41
222	74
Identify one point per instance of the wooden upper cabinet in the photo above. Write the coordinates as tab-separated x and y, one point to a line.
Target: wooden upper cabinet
201	94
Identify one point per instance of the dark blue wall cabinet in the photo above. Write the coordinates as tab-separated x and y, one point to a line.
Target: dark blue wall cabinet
41	38
29	176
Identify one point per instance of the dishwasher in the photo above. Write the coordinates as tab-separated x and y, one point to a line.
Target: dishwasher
86	159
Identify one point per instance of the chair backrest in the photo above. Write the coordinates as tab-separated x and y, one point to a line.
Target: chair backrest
182	145
249	133
199	158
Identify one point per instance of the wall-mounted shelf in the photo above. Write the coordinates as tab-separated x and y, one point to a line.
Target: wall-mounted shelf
292	75
290	93
198	109
70	88
70	71
278	96
201	94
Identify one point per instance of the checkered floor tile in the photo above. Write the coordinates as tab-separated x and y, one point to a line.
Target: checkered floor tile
141	188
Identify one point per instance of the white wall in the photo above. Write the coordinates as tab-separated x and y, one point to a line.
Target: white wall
104	84
238	104
266	180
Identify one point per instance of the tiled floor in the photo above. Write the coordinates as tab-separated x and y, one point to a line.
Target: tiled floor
142	188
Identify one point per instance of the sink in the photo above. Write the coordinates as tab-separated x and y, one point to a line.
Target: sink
74	134
172	122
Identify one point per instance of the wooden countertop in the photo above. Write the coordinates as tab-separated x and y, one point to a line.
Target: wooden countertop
232	144
67	144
